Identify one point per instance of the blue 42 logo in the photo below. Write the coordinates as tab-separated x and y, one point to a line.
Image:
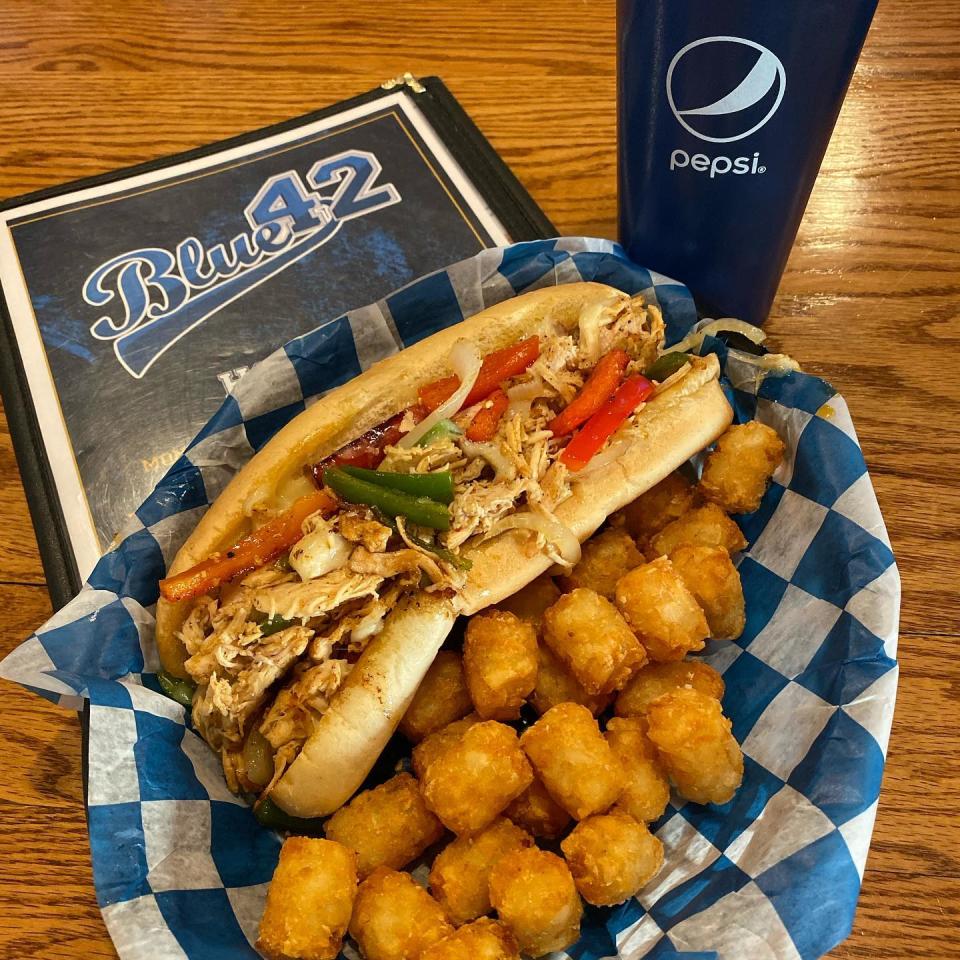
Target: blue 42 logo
164	294
284	200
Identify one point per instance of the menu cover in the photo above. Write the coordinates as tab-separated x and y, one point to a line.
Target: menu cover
133	302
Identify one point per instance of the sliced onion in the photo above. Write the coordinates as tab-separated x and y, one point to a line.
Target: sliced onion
465	360
552	530
602	459
706	328
319	553
492	453
589	325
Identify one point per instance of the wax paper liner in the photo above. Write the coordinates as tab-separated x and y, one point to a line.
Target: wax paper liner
181	866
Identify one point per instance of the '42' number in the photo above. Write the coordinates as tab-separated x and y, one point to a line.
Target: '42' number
344	186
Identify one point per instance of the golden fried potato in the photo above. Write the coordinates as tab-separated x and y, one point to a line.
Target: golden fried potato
606	558
484	939
592	640
394	918
441	698
715	584
695	745
475	777
529	602
534	895
611	857
461	871
656	679
652	511
425	752
387	826
309	901
662	611
556	684
736	473
573	760
707	525
647	789
500	662
537	812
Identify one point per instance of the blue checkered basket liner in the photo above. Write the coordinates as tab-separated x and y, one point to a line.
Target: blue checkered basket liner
181	866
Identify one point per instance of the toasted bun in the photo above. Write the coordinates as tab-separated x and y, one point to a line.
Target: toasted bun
366	709
676	424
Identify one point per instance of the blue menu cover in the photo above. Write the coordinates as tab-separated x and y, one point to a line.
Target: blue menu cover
135	301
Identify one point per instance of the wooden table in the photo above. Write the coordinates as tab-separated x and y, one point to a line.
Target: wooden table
869	301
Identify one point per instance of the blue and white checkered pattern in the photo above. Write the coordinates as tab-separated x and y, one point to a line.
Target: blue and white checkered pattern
181	866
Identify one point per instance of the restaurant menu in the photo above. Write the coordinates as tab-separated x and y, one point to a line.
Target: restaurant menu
135	301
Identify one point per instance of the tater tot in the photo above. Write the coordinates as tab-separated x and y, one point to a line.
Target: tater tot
647	789
652	511
475	777
611	857
425	752
460	873
556	684
573	760
441	698
662	611
605	559
534	895
537	812
529	602
500	662
394	918
707	525
387	826
309	901
736	473
656	679
714	582
695	745
592	640
484	939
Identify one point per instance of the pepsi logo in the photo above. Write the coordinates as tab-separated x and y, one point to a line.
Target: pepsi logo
722	89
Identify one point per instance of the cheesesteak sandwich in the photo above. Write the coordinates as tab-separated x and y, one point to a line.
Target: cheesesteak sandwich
302	613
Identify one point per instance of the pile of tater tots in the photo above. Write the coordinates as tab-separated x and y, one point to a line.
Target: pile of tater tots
543	750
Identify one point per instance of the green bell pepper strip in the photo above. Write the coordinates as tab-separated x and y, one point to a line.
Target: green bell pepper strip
441	430
270	815
176	688
454	559
436	486
394	503
666	366
274	625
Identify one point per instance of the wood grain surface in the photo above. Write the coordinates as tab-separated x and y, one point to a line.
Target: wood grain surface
869	300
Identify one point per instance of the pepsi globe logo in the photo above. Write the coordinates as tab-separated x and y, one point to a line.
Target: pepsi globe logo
723	89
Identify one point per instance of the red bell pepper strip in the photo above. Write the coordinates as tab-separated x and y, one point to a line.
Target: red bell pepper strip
484	424
497	366
367	450
605	422
256	549
598	389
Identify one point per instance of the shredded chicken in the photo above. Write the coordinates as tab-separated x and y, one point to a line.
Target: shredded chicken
384	565
222	706
298	708
357	528
557	366
301	601
442	455
637	328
